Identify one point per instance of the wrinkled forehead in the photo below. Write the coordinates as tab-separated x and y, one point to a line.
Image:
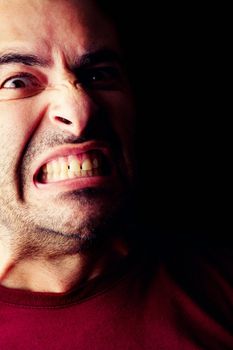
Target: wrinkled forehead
73	25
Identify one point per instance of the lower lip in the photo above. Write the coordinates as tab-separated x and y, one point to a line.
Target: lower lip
76	183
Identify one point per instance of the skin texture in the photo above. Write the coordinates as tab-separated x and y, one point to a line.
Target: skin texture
59	226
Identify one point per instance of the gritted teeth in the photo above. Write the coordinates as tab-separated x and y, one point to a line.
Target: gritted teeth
72	166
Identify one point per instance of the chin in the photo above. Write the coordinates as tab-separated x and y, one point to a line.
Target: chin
74	234
78	219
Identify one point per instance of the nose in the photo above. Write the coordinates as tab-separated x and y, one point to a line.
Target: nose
71	108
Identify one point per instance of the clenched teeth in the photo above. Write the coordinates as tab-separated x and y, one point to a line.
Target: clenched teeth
71	167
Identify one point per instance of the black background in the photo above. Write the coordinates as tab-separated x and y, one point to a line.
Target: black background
179	142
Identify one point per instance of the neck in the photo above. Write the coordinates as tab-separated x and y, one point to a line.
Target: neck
57	273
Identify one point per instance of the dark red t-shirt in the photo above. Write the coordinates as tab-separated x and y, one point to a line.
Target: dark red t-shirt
175	302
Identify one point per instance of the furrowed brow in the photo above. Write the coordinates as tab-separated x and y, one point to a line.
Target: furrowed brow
26	59
97	57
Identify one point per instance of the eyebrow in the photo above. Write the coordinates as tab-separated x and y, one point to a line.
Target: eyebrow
90	58
26	59
96	57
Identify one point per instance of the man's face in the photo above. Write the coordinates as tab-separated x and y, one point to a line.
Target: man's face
66	115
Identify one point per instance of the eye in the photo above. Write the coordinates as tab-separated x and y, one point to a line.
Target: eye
20	81
100	77
20	86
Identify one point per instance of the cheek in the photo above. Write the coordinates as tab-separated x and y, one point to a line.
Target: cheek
122	114
120	109
124	125
11	125
16	122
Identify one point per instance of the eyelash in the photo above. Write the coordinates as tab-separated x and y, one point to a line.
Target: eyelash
33	79
107	78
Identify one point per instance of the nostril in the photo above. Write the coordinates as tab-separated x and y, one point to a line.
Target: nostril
63	120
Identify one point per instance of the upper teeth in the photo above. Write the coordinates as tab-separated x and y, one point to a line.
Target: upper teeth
70	167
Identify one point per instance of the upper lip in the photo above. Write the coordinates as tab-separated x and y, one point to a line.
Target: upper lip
71	149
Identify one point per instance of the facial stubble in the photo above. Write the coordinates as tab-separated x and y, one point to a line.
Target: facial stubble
70	222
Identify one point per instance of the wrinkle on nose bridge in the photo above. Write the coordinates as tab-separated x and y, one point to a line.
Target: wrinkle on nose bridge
70	107
63	84
71	90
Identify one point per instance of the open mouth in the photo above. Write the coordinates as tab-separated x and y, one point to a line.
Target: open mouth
87	164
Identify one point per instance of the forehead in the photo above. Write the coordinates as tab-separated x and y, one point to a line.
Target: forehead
71	26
